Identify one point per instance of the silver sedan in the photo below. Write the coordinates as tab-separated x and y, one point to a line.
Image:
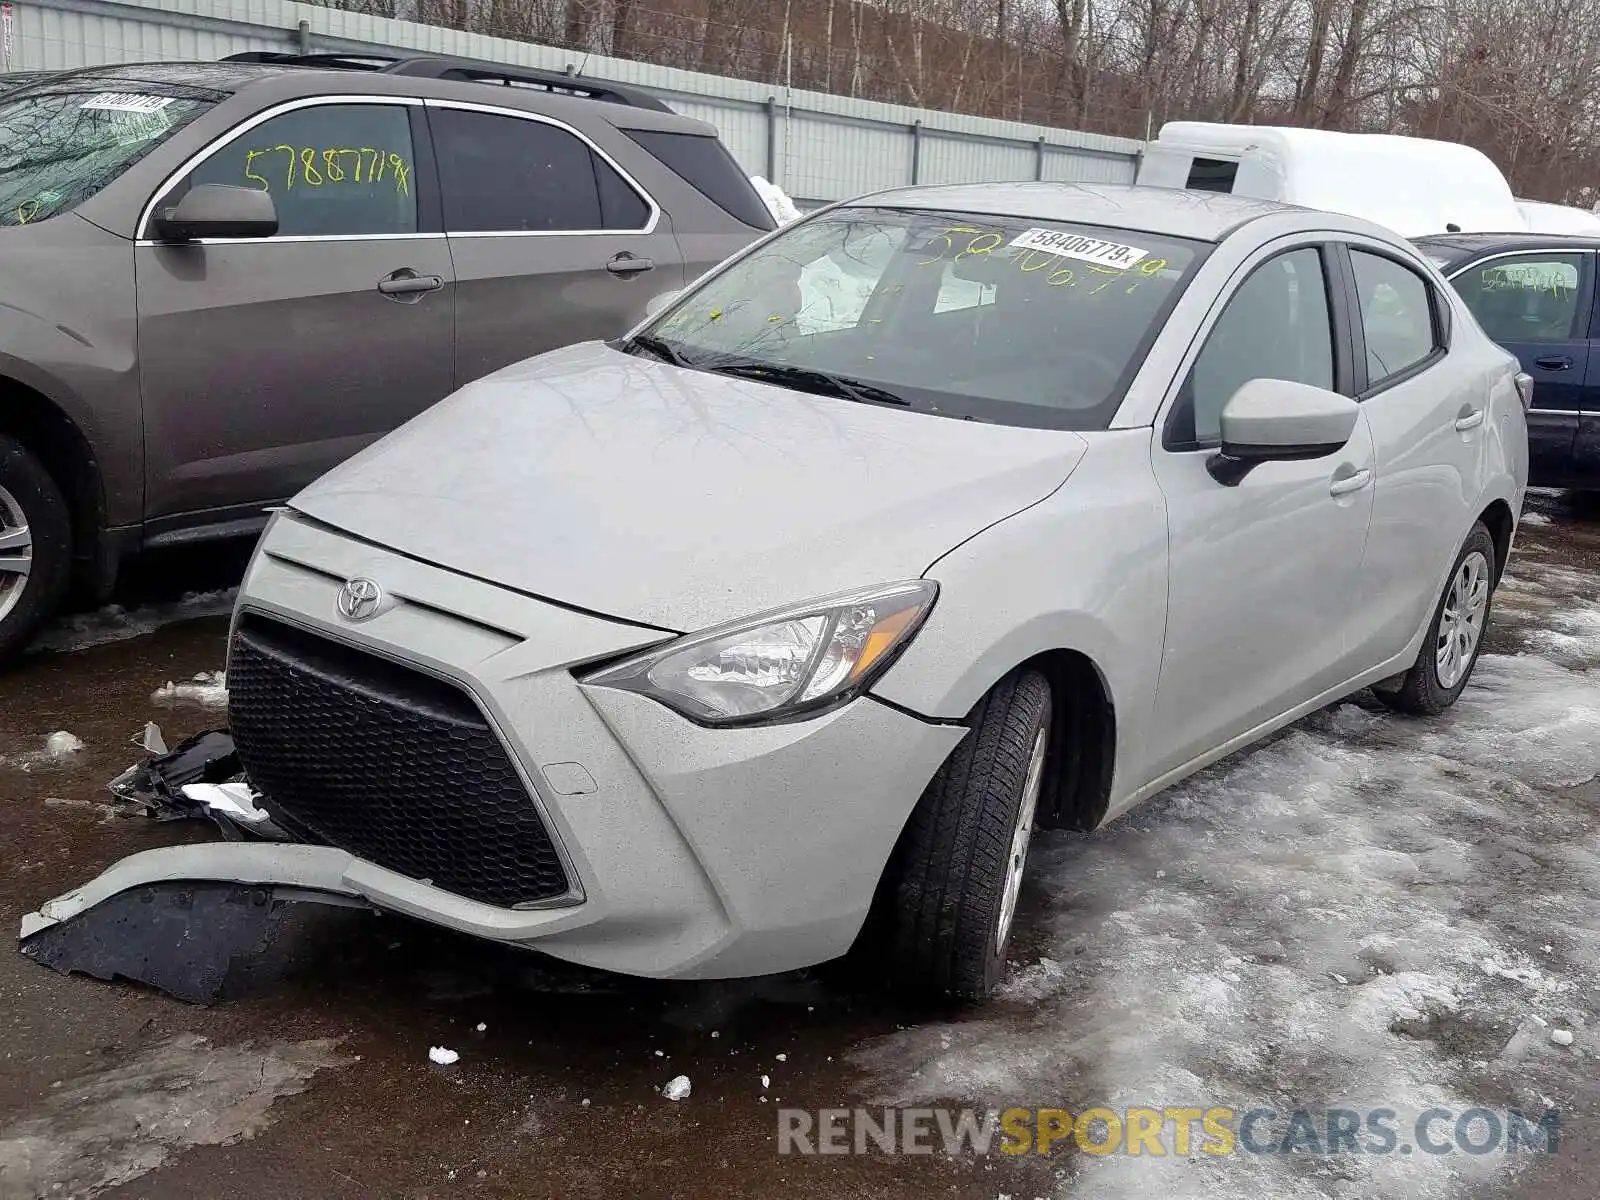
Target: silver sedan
937	517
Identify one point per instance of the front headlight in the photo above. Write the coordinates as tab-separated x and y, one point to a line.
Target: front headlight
781	663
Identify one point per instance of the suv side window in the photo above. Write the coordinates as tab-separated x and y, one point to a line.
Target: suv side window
1528	298
333	169
1276	326
1397	316
503	174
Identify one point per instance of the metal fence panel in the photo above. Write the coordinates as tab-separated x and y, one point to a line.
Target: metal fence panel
818	147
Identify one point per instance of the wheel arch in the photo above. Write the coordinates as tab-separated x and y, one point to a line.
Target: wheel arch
1501	524
33	419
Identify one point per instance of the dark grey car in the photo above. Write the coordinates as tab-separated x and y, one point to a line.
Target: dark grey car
222	279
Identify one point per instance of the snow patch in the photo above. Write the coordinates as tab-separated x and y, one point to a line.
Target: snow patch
114	623
209	689
442	1056
58	750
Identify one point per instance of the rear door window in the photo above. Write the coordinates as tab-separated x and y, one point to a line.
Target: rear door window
333	170
504	174
1397	316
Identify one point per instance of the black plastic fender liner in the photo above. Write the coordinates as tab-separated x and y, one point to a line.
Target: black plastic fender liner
195	941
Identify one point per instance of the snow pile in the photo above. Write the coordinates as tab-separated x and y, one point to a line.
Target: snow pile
443	1057
782	208
209	689
1344	919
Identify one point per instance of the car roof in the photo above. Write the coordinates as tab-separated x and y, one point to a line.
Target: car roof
1464	245
283	81
1200	216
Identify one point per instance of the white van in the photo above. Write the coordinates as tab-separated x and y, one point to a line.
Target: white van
1415	186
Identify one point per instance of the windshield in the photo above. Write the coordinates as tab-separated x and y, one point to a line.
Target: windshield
57	150
1012	320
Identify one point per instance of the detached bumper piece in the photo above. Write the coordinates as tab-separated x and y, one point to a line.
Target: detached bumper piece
198	780
197	942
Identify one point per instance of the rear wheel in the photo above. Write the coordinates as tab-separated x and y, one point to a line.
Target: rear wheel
1450	651
35	546
957	871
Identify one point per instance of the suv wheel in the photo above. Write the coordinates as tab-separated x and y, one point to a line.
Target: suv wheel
1450	651
35	546
957	870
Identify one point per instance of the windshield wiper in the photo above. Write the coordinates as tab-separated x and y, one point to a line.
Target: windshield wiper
809	380
662	350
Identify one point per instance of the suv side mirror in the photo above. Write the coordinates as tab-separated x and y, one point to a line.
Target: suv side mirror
212	210
1274	420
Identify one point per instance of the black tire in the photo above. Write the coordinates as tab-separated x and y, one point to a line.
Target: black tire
1421	693
947	877
33	491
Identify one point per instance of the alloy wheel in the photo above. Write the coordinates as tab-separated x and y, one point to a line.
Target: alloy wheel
1461	623
1020	837
16	553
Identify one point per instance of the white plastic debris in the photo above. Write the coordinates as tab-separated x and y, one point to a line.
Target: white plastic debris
661	1053
782	1058
585	1102
481	1027
714	1033
208	689
677	1088
61	743
235	800
1561	1037
153	741
766	1081
445	1058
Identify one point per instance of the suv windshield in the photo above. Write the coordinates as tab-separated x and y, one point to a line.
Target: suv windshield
1012	320
58	149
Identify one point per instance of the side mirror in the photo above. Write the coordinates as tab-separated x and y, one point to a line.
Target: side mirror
657	303
211	210
1274	420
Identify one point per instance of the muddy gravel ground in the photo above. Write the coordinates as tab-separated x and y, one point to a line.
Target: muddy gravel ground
1367	912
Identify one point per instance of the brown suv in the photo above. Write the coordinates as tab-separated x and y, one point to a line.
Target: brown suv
224	278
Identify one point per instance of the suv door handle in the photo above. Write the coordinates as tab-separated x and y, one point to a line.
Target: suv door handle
627	264
406	282
1554	362
1469	418
1345	484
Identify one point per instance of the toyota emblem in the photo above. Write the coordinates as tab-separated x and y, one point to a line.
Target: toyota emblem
359	599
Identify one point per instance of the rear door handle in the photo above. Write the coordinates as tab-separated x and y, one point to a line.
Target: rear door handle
406	282
1554	362
1470	418
1345	484
628	264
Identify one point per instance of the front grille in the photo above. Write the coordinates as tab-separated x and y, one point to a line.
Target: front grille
394	766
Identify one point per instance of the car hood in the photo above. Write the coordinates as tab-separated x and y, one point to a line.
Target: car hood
679	499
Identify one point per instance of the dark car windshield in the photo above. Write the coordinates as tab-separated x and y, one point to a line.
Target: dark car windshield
1013	320
58	149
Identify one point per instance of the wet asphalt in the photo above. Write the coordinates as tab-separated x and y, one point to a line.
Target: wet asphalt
315	1081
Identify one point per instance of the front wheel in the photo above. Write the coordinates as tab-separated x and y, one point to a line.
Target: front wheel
35	546
957	870
1450	651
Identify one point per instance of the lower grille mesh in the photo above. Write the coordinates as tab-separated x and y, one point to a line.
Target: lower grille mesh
394	766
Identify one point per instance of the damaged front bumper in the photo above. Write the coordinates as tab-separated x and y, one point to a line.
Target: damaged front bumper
689	852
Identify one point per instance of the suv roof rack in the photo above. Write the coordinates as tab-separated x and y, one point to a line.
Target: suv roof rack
465	69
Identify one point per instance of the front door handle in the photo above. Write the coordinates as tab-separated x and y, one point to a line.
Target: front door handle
1469	418
1354	482
1554	362
628	264
408	285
